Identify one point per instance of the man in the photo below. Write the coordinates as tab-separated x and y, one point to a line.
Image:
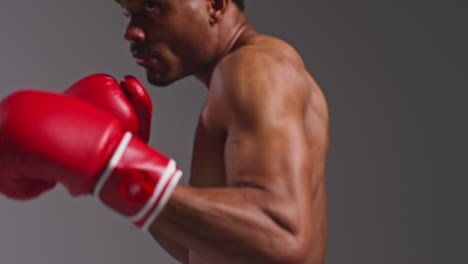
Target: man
257	192
258	188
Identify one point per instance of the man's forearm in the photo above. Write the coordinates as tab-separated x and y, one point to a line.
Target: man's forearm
173	248
224	225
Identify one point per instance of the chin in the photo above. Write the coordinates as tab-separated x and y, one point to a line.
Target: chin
158	80
163	80
160	83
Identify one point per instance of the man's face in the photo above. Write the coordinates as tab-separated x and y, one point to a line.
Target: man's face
169	37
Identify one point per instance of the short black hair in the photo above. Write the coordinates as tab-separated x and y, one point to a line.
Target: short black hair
240	4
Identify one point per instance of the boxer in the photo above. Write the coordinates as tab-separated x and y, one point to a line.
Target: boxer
257	182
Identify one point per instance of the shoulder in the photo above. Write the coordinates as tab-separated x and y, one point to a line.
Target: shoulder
265	78
260	55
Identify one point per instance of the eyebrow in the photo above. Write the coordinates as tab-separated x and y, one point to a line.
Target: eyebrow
123	1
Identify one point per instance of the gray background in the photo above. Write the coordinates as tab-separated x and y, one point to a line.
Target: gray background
395	74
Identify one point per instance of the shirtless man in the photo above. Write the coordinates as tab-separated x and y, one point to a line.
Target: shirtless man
257	192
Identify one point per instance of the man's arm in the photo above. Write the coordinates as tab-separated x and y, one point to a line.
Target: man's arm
172	247
264	213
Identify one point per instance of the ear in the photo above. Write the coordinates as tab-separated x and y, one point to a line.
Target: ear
217	9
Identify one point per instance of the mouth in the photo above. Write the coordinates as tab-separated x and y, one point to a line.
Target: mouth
147	59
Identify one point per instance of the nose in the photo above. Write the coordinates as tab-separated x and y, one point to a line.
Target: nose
134	34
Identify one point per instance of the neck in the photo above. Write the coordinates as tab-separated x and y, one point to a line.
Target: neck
235	35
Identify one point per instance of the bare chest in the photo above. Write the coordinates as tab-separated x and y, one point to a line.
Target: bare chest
208	167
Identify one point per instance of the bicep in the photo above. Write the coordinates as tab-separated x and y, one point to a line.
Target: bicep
263	108
266	143
273	160
271	157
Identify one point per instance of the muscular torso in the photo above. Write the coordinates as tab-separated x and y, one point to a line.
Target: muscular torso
208	164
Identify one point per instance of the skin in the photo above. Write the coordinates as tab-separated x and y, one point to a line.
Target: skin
257	192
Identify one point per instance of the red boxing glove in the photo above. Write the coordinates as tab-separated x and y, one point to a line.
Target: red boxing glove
128	101
47	138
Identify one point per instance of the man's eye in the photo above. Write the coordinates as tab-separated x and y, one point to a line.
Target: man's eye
151	6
